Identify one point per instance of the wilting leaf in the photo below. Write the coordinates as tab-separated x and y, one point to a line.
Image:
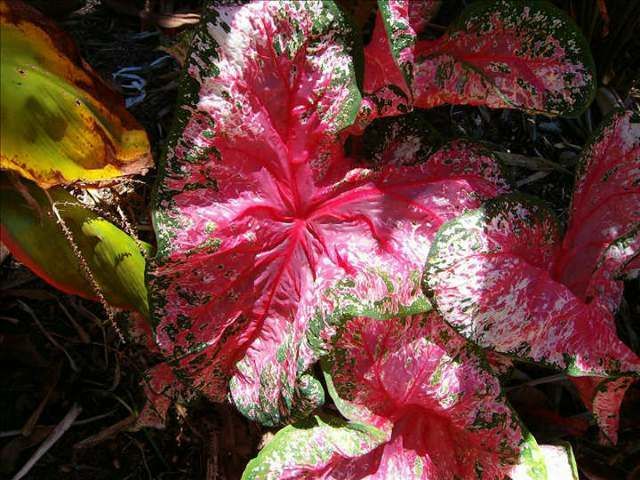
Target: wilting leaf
526	55
161	389
489	275
30	231
444	414
314	448
60	122
264	224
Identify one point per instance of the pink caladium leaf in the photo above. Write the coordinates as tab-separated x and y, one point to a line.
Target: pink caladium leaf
503	54
317	447
259	214
604	398
389	57
602	240
605	207
443	414
525	55
488	273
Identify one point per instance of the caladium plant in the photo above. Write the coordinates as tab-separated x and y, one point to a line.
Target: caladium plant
277	248
505	279
501	54
421	405
259	213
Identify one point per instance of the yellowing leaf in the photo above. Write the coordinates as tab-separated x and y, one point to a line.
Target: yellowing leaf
60	122
28	228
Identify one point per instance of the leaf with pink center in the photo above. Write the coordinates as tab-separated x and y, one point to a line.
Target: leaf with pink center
488	273
603	396
525	55
605	208
602	239
318	447
417	380
264	224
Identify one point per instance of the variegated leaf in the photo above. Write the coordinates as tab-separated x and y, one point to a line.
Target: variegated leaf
604	398
259	213
507	54
605	207
416	379
389	57
60	121
319	447
489	275
603	237
559	462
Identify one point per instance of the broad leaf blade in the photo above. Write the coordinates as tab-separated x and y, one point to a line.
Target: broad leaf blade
416	379
489	275
264	225
602	240
525	55
605	208
240	160
60	122
34	237
315	448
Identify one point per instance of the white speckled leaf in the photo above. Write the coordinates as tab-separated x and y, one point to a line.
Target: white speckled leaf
264	224
605	209
488	273
416	379
559	461
319	447
603	397
507	54
602	240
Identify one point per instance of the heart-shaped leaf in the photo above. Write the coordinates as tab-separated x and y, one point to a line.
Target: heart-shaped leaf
417	380
60	122
489	275
602	240
503	54
605	208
